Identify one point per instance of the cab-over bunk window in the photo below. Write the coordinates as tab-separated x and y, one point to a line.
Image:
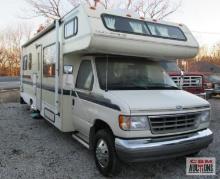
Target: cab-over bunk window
25	62
71	28
49	60
30	62
140	27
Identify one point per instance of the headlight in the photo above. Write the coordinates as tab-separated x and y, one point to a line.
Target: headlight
204	116
133	123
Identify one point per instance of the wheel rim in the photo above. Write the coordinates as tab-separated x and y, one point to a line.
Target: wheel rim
102	153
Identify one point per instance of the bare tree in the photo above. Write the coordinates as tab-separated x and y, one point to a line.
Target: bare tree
216	51
93	3
51	9
55	9
10	48
155	9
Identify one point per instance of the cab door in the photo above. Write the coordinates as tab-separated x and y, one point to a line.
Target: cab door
81	94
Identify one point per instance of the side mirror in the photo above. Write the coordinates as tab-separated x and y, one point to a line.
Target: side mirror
68	69
181	79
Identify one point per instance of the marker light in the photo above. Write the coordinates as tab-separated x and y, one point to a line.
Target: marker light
93	8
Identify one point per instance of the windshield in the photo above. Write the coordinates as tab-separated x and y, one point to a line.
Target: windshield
214	78
126	73
170	66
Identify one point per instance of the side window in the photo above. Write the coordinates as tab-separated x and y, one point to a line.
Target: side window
25	60
85	76
71	28
49	60
38	61
30	62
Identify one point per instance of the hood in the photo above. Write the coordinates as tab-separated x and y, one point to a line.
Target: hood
177	73
159	99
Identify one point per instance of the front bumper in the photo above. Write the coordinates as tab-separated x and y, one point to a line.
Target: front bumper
216	91
149	149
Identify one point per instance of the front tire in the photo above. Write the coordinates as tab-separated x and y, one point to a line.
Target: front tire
22	100
105	155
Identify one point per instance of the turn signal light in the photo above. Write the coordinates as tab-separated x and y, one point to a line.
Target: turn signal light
124	122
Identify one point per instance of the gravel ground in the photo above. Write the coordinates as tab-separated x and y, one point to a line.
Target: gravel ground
9	96
35	149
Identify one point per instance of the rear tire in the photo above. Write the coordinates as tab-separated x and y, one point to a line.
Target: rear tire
105	155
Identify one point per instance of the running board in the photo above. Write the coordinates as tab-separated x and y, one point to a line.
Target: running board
80	141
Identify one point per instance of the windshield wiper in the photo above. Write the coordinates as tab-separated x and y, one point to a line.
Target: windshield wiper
156	86
162	86
127	88
119	86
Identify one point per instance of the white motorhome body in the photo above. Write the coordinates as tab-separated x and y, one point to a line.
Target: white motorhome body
61	76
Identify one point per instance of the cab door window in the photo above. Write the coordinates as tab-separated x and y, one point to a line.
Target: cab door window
85	78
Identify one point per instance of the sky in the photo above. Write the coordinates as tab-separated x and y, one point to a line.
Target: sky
201	17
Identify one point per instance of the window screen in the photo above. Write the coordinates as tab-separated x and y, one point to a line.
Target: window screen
71	28
125	25
25	61
134	26
30	62
171	32
38	61
49	56
85	76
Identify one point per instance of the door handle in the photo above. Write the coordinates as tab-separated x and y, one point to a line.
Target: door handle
73	102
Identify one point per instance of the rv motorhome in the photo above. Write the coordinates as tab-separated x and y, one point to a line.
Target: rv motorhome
96	73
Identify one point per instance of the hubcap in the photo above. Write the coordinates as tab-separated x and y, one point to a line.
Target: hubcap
102	153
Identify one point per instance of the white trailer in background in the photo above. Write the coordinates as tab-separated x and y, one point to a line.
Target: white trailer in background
96	73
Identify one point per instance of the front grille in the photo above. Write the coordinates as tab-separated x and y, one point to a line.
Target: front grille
188	81
173	123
